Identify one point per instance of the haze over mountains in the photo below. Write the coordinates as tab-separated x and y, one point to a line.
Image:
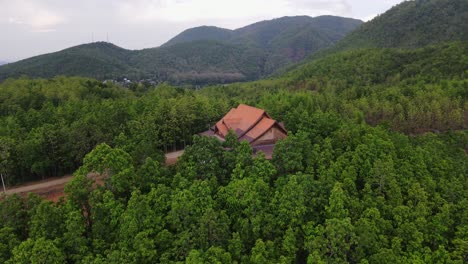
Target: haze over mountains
197	55
208	54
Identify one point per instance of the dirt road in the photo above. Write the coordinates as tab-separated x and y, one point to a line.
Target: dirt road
40	185
172	157
52	188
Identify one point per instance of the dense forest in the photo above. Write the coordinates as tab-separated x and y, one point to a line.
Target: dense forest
337	190
412	24
374	168
345	186
48	126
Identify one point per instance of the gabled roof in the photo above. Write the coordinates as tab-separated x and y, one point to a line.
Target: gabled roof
262	126
247	122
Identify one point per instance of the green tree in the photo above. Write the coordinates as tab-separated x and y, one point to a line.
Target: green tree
8	241
40	251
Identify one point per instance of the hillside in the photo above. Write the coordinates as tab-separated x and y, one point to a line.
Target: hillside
197	56
201	33
408	90
282	41
412	24
375	66
199	62
99	60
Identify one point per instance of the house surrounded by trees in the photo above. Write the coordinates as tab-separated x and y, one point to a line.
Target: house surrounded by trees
251	124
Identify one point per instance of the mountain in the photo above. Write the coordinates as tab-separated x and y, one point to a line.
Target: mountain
273	33
198	63
373	66
3	62
412	24
201	33
199	55
99	60
282	41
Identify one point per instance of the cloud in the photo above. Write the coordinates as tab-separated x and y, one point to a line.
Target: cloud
321	7
37	17
143	11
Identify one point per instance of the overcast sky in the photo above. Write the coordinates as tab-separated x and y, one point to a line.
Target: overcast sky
33	27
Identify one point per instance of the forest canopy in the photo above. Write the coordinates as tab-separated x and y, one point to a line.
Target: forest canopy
373	169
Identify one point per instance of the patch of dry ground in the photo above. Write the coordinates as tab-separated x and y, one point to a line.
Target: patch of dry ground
52	188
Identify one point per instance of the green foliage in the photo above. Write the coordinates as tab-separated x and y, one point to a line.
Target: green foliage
48	126
8	241
412	24
345	186
366	67
38	251
357	194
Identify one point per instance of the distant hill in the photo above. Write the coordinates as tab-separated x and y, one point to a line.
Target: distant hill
380	65
199	55
201	33
99	60
412	24
282	41
3	62
198	63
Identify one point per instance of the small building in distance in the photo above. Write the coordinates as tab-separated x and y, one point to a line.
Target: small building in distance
251	124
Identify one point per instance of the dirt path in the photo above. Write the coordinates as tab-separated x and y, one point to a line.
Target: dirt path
52	188
40	185
172	157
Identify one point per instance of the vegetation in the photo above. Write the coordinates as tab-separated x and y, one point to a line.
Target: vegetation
197	56
373	169
411	91
201	33
411	24
279	41
48	126
336	191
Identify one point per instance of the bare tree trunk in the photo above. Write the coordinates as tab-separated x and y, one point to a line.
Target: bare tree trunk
3	183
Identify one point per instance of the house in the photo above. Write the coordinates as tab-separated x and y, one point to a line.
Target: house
251	124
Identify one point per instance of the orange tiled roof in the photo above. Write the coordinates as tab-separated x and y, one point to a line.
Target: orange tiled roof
258	130
247	122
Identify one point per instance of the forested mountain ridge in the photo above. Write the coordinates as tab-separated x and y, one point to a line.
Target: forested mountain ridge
201	33
374	66
197	56
281	41
411	24
100	60
267	34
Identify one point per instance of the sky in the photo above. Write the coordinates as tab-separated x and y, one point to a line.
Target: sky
33	27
